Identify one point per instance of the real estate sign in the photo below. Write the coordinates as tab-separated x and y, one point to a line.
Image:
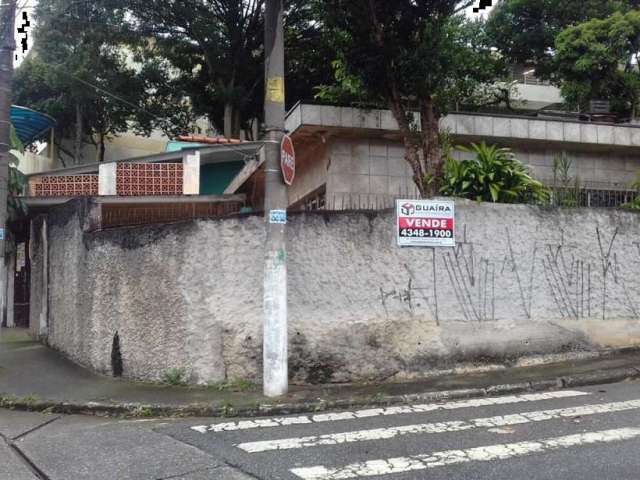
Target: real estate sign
425	223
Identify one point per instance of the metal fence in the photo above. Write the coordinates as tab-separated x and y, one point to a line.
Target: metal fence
129	215
587	197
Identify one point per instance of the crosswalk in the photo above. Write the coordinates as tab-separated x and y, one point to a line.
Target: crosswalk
406	441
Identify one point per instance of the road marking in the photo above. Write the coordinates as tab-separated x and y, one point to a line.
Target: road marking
439	427
452	457
377	412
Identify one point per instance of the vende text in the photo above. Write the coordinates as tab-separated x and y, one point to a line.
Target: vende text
440	223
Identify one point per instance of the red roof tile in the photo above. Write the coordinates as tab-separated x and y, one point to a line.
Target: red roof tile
208	140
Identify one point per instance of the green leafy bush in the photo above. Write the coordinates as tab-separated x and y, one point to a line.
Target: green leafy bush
175	377
494	175
635	204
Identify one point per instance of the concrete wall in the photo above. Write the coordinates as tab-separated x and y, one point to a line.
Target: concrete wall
366	154
536	96
521	281
370	170
368	167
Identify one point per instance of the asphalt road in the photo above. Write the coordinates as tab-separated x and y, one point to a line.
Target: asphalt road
588	434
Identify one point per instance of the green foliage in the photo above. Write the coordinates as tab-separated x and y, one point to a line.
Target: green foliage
237	385
215	52
525	30
227	409
410	55
635	204
597	60
176	377
428	51
81	73
566	189
347	88
493	175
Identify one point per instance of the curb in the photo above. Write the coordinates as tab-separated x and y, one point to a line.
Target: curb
138	410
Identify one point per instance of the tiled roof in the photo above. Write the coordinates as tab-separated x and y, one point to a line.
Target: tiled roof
208	140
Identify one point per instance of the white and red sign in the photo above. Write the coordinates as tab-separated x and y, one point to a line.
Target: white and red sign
425	223
288	160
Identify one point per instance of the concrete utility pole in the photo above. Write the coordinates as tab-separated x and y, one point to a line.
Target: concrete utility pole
7	47
275	351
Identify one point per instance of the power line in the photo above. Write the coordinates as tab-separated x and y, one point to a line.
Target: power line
231	148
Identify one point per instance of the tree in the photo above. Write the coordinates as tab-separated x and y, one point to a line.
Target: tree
525	30
598	59
408	55
215	50
82	73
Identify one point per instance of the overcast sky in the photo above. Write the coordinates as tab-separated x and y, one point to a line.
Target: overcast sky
482	13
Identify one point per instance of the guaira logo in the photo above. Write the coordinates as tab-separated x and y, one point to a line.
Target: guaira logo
408	209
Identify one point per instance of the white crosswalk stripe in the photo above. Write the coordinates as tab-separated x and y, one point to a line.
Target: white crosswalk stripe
438	427
376	412
452	457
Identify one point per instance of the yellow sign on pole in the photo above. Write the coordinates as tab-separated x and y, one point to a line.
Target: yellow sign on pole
275	90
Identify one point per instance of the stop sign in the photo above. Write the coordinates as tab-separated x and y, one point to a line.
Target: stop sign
288	160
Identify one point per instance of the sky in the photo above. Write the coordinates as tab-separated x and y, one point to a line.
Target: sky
23	32
482	13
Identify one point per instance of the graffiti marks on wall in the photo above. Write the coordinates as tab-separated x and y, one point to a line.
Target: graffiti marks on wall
522	279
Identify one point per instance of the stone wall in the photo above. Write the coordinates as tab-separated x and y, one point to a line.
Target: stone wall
522	281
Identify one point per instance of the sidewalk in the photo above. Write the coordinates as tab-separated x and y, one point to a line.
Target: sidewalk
35	377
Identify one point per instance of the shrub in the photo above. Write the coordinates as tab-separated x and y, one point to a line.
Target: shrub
635	204
566	190
175	377
494	175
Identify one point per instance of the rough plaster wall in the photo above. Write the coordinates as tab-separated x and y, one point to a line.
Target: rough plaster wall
521	281
177	296
36	276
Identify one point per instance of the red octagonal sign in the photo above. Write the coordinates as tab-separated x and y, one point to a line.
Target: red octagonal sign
288	160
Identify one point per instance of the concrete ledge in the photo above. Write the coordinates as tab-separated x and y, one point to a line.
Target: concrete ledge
474	125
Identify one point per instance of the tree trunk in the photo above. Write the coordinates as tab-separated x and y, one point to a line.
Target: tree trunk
101	148
237	124
430	124
411	145
231	121
77	144
228	120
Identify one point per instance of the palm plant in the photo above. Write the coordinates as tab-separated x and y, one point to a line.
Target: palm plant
493	175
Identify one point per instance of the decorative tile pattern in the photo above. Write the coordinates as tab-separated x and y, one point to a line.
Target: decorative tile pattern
65	186
138	179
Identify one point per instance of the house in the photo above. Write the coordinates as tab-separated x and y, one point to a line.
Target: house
352	158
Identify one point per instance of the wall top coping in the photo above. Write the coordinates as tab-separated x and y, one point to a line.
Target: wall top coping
472	125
